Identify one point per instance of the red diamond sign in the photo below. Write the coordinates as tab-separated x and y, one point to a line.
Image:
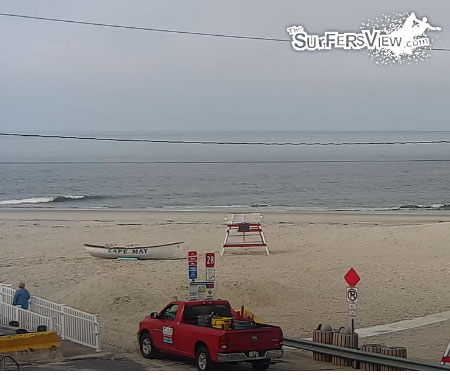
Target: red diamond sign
352	277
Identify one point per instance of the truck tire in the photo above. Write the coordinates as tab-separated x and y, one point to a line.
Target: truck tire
261	365
203	359
146	346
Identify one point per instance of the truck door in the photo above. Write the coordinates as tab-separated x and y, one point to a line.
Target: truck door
168	334
187	331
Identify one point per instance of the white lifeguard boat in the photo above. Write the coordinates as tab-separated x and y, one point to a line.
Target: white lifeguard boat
173	250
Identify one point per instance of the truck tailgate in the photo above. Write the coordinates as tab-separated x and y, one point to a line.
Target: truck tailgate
255	339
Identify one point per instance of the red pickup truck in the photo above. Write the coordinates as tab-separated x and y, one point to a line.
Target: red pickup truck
176	330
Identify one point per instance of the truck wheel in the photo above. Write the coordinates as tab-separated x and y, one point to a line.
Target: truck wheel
203	359
148	350
260	365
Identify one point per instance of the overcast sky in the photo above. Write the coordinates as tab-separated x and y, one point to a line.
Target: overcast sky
71	78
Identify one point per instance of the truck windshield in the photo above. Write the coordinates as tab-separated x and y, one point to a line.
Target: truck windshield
192	312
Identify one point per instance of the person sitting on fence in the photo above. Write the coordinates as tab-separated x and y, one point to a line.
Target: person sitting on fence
21	297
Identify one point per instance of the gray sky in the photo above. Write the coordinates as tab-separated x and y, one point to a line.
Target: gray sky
70	78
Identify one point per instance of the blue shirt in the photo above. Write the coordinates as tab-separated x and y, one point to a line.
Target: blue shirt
21	298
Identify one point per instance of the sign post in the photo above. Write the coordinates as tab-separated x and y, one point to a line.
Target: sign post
351	295
210	263
210	267
201	290
192	263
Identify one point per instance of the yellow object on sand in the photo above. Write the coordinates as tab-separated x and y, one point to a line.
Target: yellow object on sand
27	341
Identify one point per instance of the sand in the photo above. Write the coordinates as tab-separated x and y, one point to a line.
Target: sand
402	260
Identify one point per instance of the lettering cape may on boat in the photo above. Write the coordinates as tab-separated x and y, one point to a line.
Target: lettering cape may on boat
173	250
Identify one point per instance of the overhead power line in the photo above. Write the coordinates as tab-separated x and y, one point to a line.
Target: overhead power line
195	33
144	28
327	161
167	141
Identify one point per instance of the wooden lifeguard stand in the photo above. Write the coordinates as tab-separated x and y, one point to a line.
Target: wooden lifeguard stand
245	230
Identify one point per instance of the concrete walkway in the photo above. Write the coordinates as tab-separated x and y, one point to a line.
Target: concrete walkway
404	325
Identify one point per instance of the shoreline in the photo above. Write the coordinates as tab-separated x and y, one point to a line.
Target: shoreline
263	211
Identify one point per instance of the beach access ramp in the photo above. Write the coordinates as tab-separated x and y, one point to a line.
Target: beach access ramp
70	324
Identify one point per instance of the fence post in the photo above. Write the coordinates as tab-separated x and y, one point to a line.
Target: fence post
30	303
3	293
16	315
63	323
52	324
97	333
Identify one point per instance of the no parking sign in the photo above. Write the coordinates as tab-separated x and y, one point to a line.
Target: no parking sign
352	295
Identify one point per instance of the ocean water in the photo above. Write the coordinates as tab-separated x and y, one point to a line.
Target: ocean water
69	174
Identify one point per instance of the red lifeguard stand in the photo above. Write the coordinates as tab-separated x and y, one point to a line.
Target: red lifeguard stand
245	230
446	358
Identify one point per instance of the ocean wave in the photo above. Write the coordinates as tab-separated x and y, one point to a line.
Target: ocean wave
403	207
288	208
52	201
36	200
200	207
436	206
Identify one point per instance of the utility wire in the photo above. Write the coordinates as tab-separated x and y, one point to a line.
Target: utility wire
230	36
143	28
328	161
166	141
197	142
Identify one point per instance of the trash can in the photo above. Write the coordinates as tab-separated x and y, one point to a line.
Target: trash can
393	351
323	334
343	338
371	348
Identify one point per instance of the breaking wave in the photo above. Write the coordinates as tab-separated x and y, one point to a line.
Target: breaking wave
437	206
37	200
403	207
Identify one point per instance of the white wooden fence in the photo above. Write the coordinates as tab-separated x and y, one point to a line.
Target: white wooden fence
71	324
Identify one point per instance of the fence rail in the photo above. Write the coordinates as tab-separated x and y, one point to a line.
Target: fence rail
27	319
71	324
357	355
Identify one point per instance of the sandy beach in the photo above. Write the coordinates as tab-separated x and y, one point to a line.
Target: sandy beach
402	260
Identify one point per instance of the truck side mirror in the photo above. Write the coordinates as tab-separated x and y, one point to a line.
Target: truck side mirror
154	315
